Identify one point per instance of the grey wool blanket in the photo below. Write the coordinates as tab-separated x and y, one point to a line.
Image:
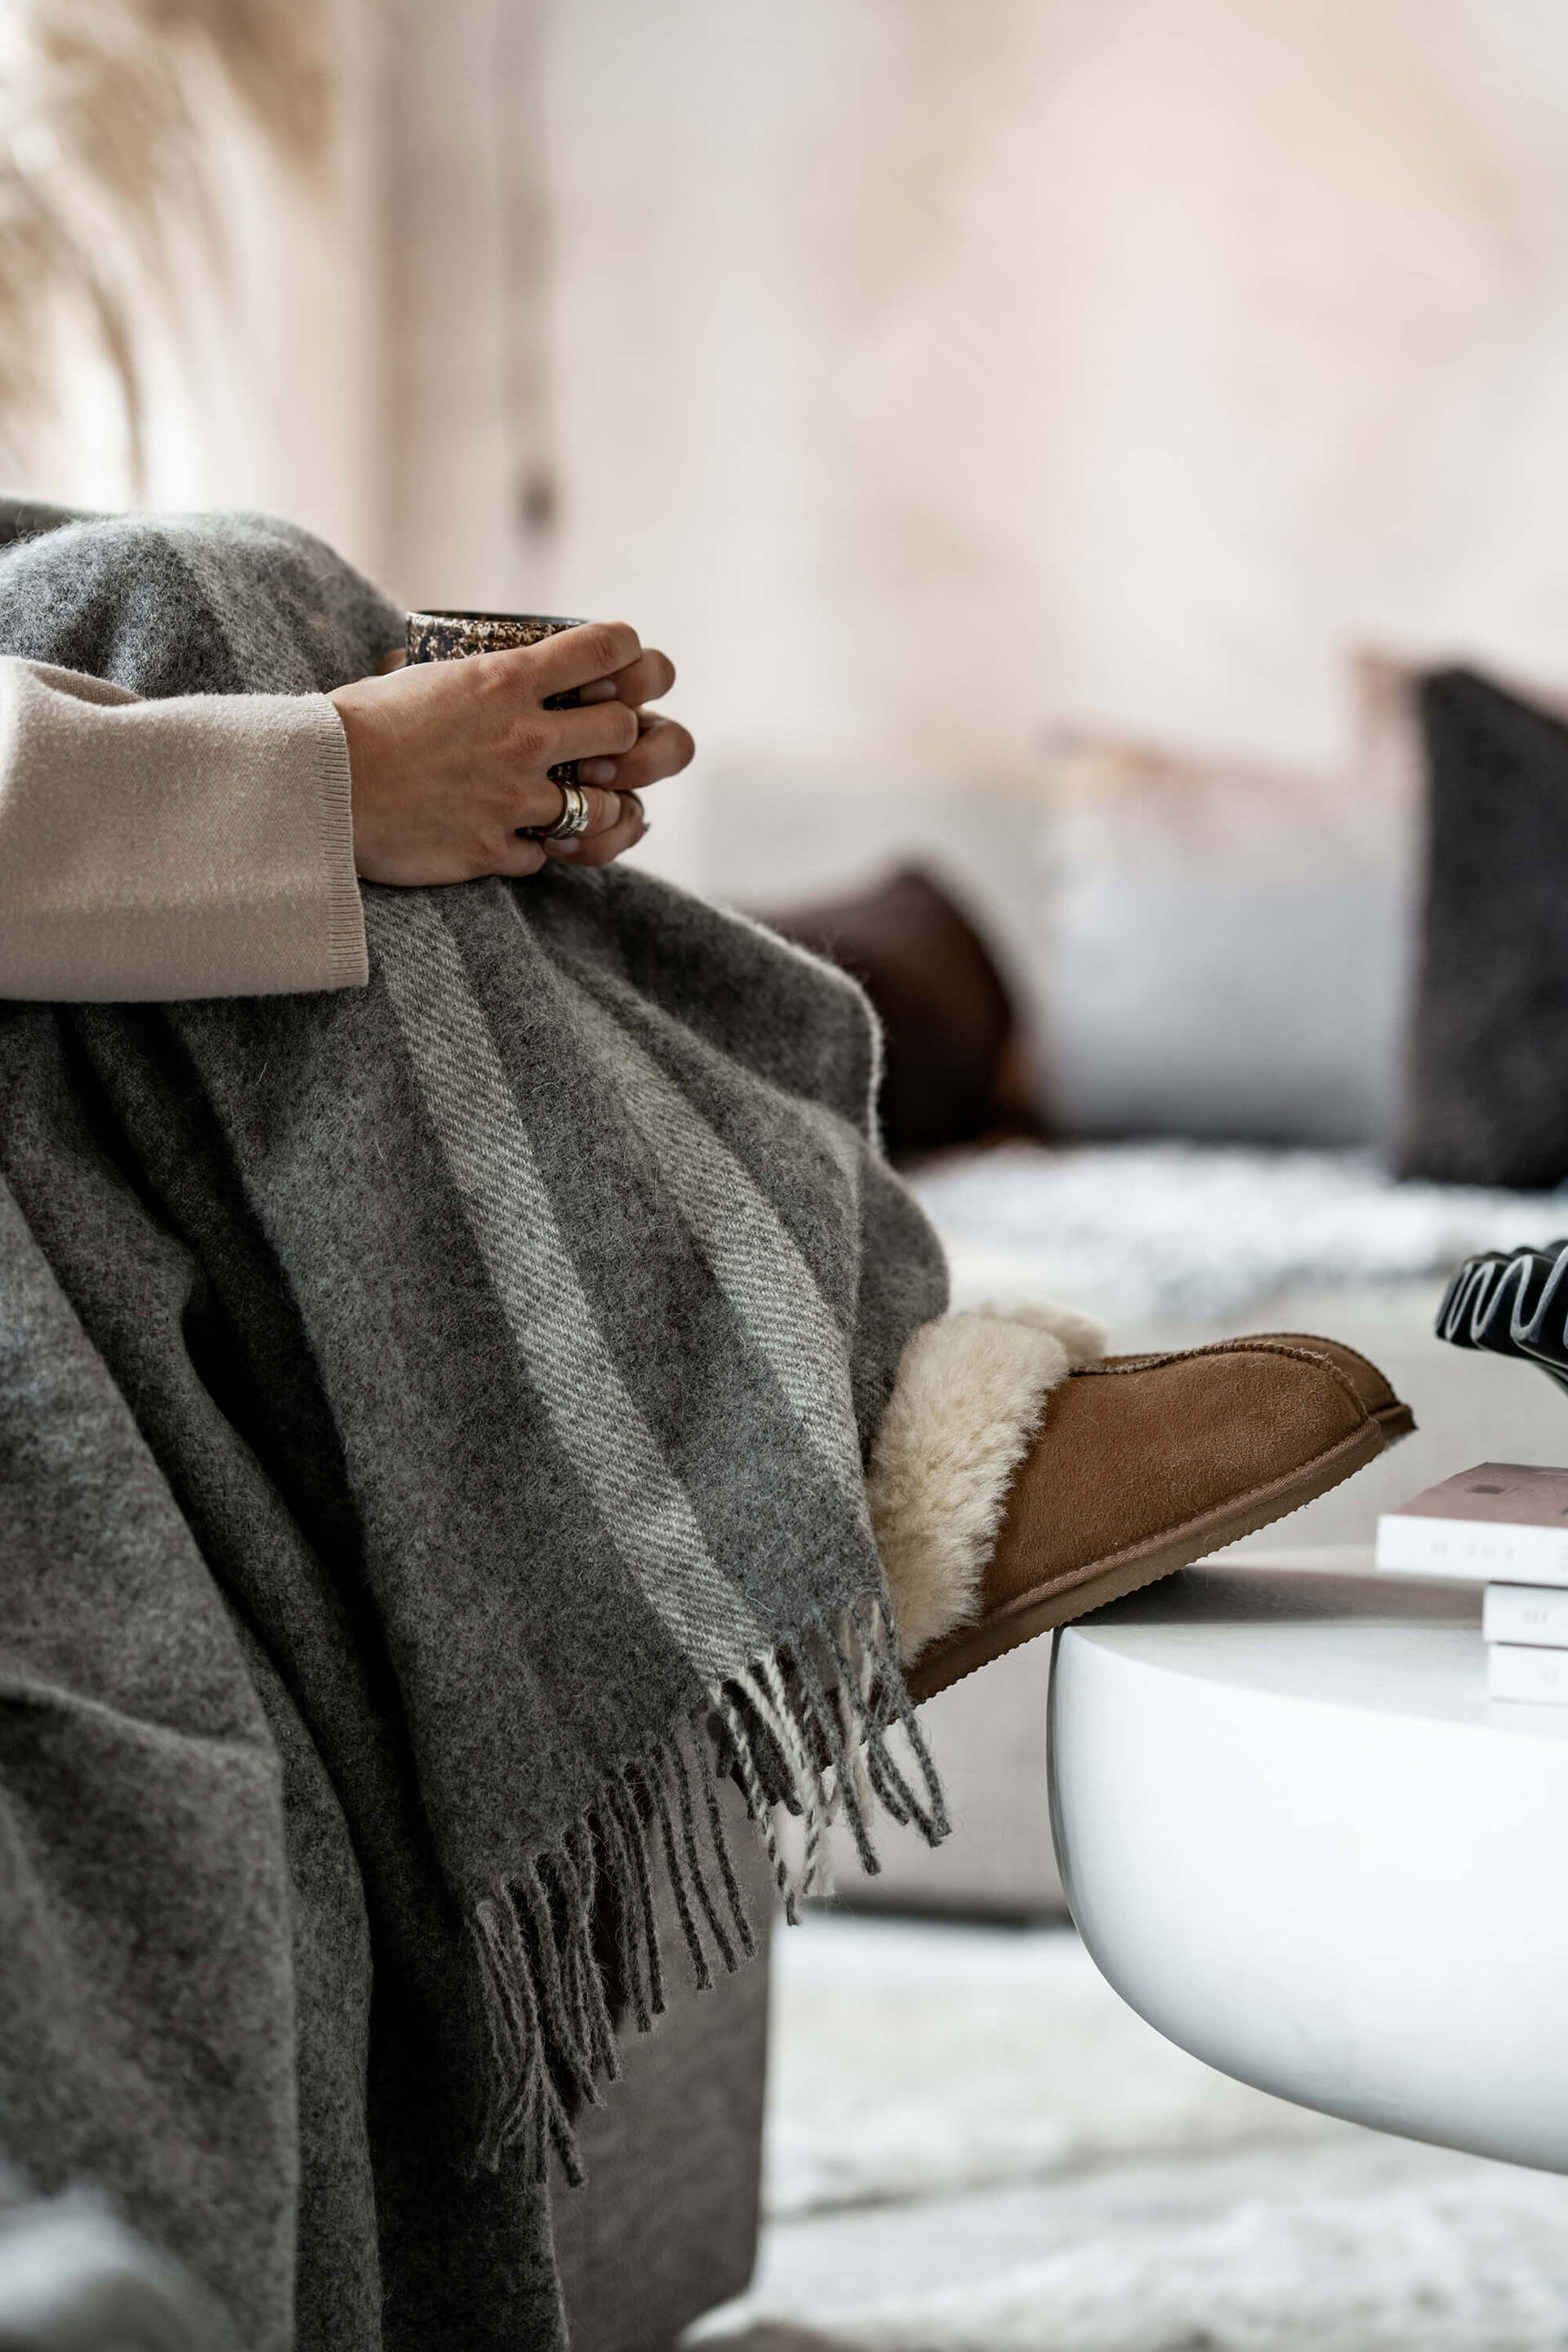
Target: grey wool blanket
433	1421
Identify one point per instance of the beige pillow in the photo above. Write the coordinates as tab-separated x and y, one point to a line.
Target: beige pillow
1226	940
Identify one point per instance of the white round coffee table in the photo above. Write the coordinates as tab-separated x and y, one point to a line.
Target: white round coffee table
1298	1838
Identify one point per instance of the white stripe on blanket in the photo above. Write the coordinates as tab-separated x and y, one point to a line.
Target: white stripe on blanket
527	1256
752	1253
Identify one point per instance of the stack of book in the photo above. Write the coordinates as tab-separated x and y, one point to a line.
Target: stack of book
1506	1524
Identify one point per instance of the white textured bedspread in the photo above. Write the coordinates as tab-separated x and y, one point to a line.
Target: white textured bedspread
1169	1232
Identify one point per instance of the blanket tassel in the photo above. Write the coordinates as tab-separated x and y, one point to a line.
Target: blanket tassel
810	1725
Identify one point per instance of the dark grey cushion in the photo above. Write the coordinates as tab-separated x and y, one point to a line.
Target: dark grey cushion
1488	1085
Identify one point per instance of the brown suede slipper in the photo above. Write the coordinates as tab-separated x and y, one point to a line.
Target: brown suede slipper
1392	1415
1143	1464
1391	1412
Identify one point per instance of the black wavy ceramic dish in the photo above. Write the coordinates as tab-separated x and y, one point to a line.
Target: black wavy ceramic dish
1513	1303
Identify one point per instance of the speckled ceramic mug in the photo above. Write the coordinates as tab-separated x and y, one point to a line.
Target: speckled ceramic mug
449	637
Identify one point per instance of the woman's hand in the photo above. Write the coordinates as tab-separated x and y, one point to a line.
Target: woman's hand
449	761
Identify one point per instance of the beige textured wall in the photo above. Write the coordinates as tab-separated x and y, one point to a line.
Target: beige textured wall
924	374
921	374
468	266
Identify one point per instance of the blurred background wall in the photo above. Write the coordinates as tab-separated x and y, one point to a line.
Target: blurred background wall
919	376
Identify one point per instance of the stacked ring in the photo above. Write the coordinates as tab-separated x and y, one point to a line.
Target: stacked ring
573	819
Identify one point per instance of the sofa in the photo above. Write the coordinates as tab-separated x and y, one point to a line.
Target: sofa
664	2227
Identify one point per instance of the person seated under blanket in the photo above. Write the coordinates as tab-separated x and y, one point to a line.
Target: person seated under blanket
211	845
461	1398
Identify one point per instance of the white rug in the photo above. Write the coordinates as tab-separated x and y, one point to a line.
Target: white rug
1154	1232
974	2146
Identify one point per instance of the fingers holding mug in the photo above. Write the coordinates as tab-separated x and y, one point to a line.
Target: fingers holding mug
663	748
450	754
581	746
647	678
559	668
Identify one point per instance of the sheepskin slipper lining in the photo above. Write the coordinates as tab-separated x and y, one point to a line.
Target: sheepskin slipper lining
964	1407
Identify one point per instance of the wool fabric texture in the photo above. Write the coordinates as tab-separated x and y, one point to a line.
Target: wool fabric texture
433	1421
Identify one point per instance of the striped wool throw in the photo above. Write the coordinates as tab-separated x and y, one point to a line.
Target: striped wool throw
476	1371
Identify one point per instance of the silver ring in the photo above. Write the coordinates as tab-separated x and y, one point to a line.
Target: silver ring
573	819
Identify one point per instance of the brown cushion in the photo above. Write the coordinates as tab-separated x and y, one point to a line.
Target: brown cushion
945	1010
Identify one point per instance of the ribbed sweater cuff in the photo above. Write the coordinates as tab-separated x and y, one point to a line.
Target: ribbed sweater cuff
347	959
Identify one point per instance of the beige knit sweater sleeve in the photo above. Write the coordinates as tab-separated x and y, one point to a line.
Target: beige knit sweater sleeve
198	846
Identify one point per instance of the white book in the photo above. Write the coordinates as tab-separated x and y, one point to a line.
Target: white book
1502	1522
1539	1677
1528	1614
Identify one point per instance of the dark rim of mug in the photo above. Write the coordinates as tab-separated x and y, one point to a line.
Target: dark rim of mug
501	620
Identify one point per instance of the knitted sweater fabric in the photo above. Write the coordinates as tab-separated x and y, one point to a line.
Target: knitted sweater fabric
197	845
